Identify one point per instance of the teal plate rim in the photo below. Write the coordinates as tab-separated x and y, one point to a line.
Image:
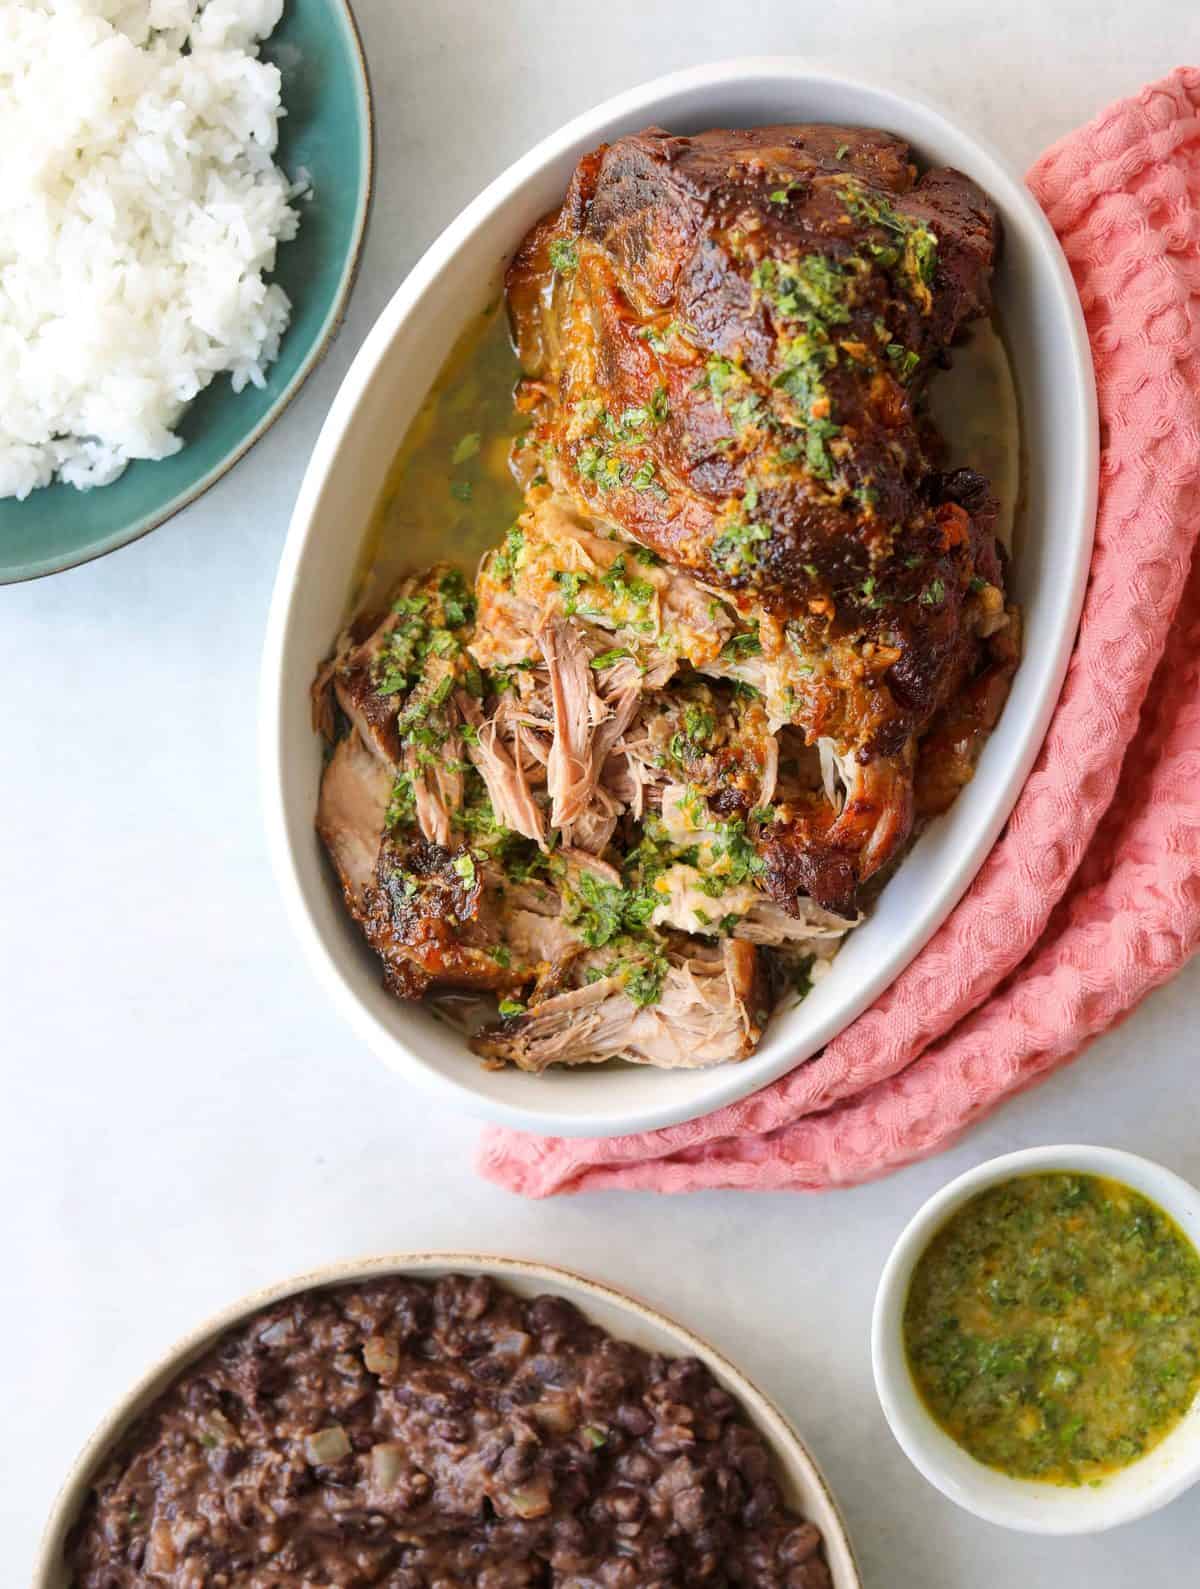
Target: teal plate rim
343	12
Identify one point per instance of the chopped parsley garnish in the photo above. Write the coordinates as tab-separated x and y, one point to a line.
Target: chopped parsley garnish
915	246
564	257
595	909
510	1008
737	545
869	592
732	844
461	489
601	467
739	646
569	585
802	975
813	289
464	866
696	732
903	359
607	658
643	475
659	339
428	624
642	977
458	604
508	559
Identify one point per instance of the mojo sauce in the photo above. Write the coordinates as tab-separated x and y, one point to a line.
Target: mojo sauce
449	494
1053	1327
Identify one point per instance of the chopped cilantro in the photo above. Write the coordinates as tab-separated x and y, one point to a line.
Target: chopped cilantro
464	866
739	646
594	909
698	727
508	559
642	978
802	975
458	604
607	658
736	546
732	845
569	585
903	359
564	258
461	489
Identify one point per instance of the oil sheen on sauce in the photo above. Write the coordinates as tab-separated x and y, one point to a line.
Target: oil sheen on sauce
449	493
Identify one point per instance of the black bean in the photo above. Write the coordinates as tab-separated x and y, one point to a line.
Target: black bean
689	1509
636	1420
554	1320
800	1544
764	1499
638	1468
626	1504
453	1430
227	1461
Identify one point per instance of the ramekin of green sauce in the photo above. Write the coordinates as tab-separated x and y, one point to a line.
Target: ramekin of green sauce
1036	1339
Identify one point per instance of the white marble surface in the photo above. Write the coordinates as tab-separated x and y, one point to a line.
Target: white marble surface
183	1115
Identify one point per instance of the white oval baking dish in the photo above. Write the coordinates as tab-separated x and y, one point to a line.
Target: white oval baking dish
389	377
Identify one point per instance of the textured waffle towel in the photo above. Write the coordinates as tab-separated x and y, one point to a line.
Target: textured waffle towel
1092	896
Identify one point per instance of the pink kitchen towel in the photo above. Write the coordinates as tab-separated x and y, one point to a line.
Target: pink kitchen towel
1092	895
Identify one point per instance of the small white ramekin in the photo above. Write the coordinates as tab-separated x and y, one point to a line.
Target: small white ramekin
1031	1507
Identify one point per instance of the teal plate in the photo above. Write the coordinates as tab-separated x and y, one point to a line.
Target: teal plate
328	132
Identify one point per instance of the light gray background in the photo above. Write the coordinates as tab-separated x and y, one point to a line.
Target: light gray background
184	1117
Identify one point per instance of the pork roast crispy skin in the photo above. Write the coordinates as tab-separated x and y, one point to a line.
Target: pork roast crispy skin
724	339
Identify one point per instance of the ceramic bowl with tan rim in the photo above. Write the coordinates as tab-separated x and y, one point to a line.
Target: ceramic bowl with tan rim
1029	1506
802	1482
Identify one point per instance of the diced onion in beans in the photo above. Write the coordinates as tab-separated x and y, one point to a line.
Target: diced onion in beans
556	1413
531	1500
381	1354
219	1427
387	1464
327	1445
510	1343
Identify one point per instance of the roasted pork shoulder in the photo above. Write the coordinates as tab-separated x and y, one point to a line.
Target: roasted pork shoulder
726	339
746	632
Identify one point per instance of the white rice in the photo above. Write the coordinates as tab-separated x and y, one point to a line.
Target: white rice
140	207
